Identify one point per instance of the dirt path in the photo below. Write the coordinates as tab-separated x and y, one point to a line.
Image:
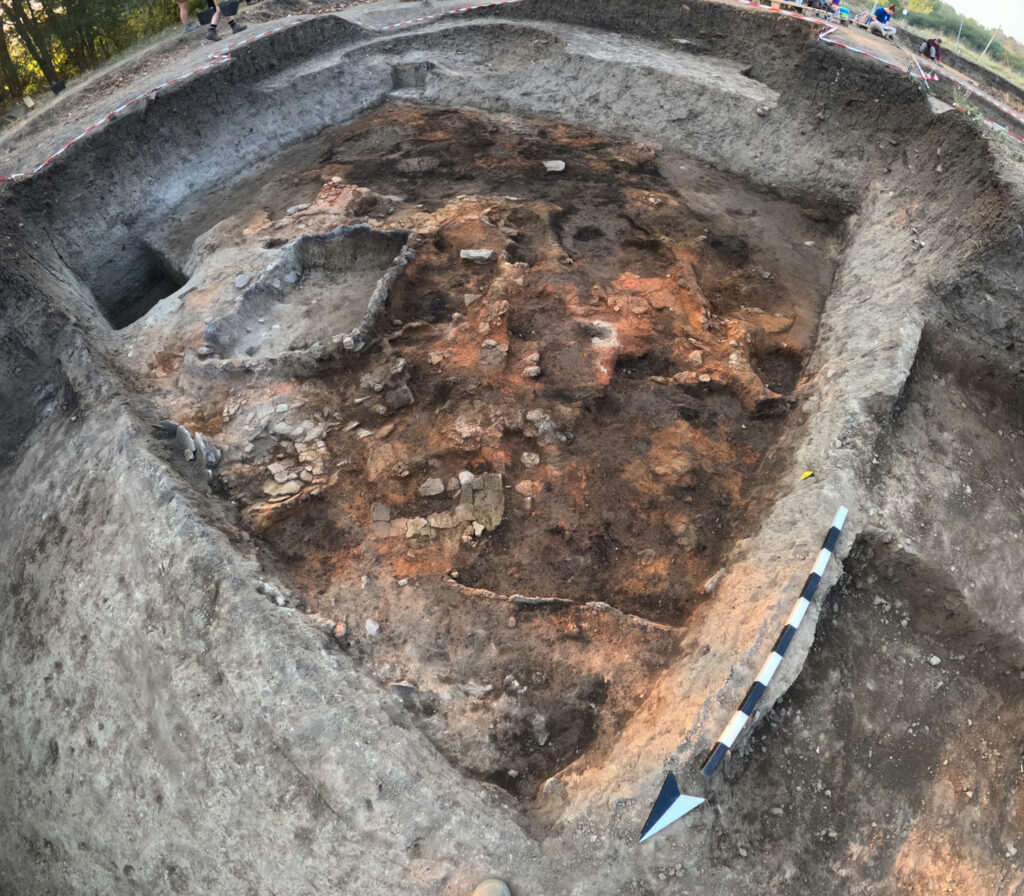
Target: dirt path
170	58
89	101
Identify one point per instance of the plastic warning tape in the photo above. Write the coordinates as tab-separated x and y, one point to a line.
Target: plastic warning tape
993	124
760	685
215	60
933	76
1002	107
219	58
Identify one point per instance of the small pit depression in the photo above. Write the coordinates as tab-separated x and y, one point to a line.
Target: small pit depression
507	501
323	288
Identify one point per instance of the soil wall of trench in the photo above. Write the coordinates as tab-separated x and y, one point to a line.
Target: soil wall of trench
168	728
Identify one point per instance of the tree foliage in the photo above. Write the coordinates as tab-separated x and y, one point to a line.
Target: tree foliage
920	6
944	20
46	41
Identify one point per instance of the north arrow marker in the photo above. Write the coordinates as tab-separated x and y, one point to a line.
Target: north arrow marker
672	805
668	807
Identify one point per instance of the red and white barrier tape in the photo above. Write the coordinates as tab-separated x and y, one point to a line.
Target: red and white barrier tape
992	124
215	59
222	57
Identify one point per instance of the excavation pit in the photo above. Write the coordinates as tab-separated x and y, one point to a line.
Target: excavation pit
325	289
557	426
451	604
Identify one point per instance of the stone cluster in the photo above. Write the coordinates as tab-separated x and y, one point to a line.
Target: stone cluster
477	506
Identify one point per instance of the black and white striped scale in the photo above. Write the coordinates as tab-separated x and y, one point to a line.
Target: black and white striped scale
671	804
760	685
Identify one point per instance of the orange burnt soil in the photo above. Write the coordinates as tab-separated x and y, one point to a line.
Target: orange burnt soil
573	428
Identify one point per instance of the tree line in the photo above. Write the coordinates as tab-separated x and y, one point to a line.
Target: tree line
44	42
940	18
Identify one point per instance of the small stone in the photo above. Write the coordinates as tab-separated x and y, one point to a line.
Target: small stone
554	165
340	631
372	628
540	729
380	512
696	358
767	275
385	430
528	488
479	256
291	277
934	660
398	398
348	342
533	357
282	489
295	209
512	624
530	459
478	529
241	281
488	500
397	528
489	343
531	372
443	520
775	810
742	852
477	690
431	487
434	358
185	440
466	478
417	527
704	378
470	297
402	583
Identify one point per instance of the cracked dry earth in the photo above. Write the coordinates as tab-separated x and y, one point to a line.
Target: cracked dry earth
506	508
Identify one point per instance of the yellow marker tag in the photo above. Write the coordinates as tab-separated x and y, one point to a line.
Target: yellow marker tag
807	475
